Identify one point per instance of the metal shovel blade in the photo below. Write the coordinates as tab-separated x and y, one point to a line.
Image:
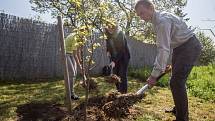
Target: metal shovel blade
145	87
142	90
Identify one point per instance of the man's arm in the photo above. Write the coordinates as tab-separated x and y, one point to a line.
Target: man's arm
163	48
111	52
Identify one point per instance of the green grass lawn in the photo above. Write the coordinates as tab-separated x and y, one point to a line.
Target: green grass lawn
14	94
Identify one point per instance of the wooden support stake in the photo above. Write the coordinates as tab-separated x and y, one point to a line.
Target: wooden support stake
64	62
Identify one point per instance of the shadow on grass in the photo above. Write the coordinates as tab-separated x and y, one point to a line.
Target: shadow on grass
34	81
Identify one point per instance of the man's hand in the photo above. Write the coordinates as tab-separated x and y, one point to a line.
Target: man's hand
112	64
108	54
151	81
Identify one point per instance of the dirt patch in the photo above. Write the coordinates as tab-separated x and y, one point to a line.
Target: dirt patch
112	107
41	112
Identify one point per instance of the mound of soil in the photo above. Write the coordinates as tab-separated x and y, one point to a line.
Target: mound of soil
113	78
92	84
112	107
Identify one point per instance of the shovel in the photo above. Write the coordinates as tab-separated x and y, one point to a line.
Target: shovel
145	87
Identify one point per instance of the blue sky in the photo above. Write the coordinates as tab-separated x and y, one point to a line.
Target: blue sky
198	11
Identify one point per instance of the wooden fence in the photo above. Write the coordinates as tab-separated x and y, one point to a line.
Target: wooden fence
30	50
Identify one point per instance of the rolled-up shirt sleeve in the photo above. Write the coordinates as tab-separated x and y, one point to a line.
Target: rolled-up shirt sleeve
163	39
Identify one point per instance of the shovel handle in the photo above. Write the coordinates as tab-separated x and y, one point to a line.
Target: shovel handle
145	87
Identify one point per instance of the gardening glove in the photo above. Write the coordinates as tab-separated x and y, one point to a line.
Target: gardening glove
112	64
151	81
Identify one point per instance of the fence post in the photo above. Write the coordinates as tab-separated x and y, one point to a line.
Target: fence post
64	63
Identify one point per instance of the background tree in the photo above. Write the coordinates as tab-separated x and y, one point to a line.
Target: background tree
101	10
208	52
123	12
83	17
79	15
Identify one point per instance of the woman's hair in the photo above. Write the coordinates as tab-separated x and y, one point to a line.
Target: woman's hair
107	33
111	26
147	3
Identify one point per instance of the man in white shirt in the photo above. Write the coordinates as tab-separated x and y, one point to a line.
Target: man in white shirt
171	33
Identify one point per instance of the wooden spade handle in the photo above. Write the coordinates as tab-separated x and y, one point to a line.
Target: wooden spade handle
168	69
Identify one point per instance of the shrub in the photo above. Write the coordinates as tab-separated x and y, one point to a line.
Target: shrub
141	73
144	73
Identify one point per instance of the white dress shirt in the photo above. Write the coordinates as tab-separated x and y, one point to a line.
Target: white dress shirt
171	32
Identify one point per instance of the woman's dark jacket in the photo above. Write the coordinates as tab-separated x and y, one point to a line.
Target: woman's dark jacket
117	46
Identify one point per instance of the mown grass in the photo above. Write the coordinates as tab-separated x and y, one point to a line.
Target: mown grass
159	99
201	105
14	94
202	82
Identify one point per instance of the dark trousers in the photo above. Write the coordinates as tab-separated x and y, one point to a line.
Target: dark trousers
121	69
183	60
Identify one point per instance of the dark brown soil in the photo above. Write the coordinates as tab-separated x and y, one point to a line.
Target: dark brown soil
41	112
92	84
113	78
113	106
